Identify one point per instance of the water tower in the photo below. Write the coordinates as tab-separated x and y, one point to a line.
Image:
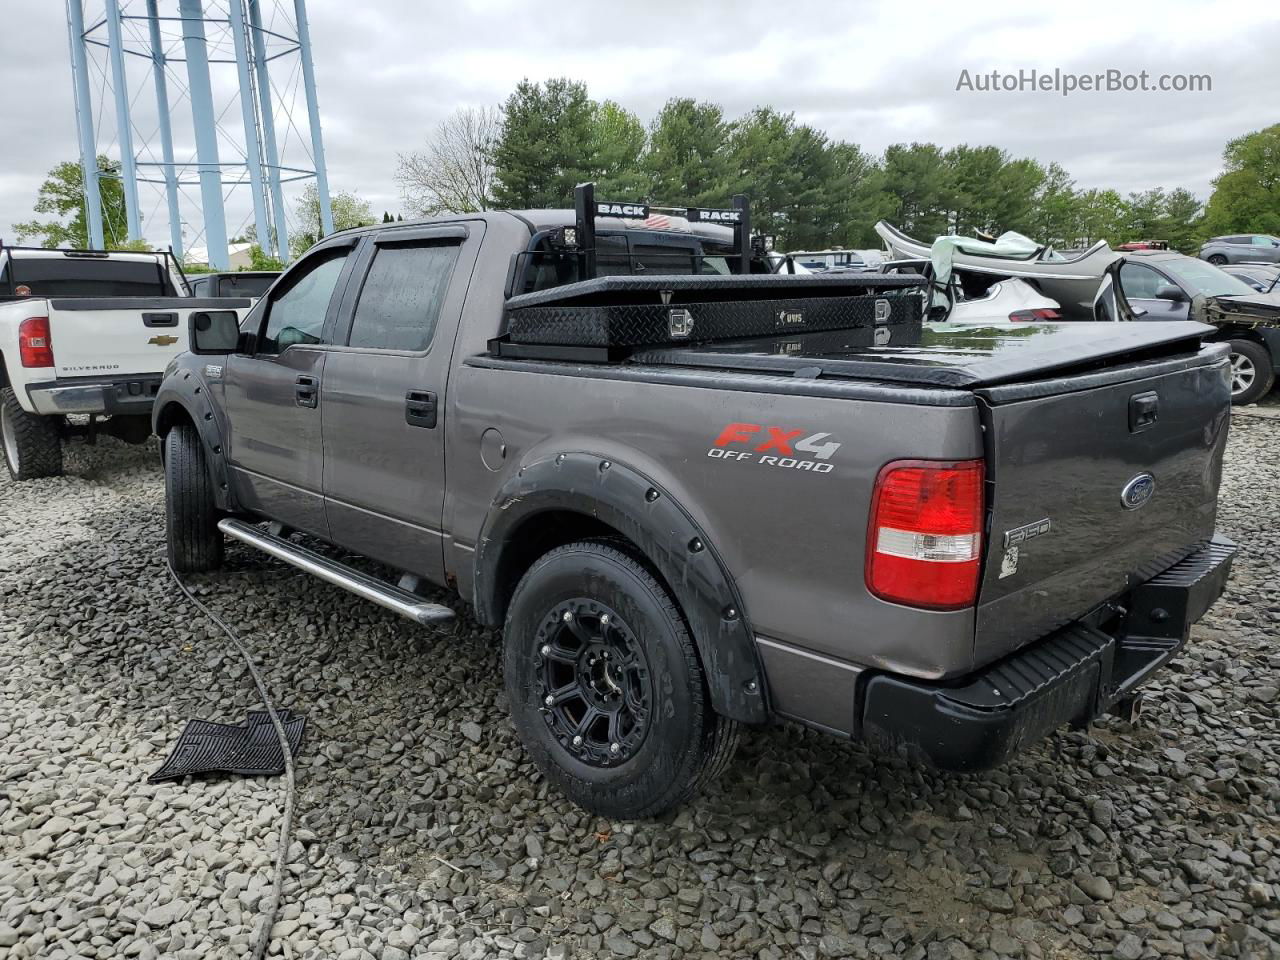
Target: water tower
199	98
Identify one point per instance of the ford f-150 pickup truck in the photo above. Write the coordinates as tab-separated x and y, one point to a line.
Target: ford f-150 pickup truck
697	497
85	332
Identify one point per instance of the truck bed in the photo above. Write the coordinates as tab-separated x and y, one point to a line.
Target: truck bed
1057	408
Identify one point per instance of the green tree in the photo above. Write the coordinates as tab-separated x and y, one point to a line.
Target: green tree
544	148
921	187
856	189
1056	213
1143	213
615	152
348	209
688	160
1246	197
1183	220
259	259
1100	216
62	195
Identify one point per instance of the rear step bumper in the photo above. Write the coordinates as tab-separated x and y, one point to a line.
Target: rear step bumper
1071	676
348	578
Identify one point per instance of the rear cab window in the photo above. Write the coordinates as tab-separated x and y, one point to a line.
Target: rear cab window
630	252
87	276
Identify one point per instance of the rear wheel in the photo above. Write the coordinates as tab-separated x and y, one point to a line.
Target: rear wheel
606	690
191	514
1217	259
1252	375
32	443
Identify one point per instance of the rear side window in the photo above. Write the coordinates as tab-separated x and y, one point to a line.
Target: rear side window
297	313
402	295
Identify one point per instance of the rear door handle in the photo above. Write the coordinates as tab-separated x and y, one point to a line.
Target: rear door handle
420	408
305	391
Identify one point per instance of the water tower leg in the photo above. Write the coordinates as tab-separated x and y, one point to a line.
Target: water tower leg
268	131
313	114
84	123
166	130
252	149
201	94
124	123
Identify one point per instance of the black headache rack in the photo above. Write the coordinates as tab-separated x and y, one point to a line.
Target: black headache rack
601	318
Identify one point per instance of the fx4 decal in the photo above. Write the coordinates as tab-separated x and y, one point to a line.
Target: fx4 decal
774	447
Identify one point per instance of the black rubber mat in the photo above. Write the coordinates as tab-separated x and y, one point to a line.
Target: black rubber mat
250	748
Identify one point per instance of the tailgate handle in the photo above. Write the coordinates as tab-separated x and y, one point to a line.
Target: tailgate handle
160	319
1144	410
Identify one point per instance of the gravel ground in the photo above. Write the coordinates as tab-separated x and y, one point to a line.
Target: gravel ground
422	831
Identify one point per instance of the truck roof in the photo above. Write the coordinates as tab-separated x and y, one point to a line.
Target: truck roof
538	220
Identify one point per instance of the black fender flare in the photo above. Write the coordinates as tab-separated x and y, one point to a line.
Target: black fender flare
184	390
637	507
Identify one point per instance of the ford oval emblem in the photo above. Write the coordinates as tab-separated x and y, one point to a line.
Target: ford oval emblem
1138	491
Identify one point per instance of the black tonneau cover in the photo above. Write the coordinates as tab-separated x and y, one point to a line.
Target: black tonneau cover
947	356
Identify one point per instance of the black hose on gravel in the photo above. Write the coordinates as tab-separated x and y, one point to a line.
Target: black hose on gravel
263	940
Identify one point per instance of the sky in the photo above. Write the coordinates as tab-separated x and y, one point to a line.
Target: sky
388	71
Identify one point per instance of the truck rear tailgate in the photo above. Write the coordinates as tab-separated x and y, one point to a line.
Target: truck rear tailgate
1096	482
123	335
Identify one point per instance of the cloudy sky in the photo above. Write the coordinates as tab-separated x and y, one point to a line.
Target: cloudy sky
389	70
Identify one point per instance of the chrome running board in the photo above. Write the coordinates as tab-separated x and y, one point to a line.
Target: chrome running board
339	574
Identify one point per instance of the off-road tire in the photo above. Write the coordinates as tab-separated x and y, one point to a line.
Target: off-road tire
686	743
32	444
1256	356
191	514
1217	259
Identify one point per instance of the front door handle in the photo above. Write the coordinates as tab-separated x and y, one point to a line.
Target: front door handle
306	391
420	408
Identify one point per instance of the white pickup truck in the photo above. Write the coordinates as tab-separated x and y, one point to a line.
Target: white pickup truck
85	332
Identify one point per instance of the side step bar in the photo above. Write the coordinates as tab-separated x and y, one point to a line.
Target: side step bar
361	584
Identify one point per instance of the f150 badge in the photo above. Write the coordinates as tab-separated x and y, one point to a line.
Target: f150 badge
1015	538
775	447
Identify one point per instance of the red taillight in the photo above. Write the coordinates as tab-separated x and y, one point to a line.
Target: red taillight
924	541
35	347
1040	313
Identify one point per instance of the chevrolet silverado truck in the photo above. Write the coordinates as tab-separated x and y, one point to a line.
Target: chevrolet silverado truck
85	332
696	497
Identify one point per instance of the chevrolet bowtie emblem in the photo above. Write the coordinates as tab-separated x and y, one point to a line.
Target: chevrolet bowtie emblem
162	340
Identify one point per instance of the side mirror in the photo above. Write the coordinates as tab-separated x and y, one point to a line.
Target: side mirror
1167	291
214	332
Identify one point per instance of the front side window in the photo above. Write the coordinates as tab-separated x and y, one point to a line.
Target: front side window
1139	282
297	313
402	295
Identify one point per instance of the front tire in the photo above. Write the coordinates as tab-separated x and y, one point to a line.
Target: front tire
606	690
1252	374
1217	259
191	514
32	443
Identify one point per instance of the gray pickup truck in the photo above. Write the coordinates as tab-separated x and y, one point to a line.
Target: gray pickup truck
946	542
